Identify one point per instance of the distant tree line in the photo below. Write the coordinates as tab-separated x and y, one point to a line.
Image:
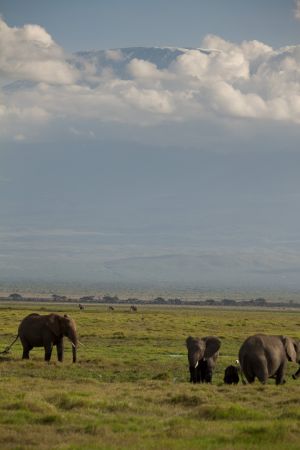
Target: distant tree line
109	299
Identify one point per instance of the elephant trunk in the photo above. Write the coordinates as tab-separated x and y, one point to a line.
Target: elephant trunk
194	358
74	350
74	340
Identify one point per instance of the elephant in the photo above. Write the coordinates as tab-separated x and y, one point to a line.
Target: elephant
262	356
202	356
37	330
231	375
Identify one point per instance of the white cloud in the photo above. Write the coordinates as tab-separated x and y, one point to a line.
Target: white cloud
114	55
248	80
149	100
226	100
29	53
18	117
140	69
297	10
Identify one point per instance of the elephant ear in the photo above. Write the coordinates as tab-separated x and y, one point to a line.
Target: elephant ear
212	346
289	348
195	344
190	342
53	323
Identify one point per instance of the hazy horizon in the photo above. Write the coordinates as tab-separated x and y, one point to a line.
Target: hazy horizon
151	166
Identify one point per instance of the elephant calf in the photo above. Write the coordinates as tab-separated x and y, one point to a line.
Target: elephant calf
202	356
46	331
262	357
231	375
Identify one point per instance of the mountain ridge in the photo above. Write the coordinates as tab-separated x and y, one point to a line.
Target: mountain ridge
117	58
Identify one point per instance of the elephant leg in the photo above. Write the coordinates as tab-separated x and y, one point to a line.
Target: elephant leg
26	349
208	376
262	374
202	370
280	374
193	373
297	374
198	374
255	368
249	377
60	350
48	351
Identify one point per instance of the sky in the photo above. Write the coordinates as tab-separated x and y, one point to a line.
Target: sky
101	24
170	164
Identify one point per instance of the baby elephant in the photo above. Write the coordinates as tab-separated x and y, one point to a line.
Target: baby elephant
202	356
262	357
231	375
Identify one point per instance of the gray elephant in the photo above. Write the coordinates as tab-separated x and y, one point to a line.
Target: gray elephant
262	357
202	356
46	331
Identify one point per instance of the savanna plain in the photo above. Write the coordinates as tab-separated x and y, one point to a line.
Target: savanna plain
130	387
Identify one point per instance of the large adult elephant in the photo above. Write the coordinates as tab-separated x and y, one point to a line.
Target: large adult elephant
262	356
202	356
46	331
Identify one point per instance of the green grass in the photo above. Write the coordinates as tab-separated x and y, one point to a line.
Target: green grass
130	390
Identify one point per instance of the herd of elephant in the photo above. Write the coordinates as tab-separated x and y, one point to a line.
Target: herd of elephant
260	356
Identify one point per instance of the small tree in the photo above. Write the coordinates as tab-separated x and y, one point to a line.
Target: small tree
15	296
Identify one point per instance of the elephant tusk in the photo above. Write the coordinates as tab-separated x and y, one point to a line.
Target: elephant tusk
237	362
196	364
73	344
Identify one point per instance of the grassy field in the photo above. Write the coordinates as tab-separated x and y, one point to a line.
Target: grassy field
130	389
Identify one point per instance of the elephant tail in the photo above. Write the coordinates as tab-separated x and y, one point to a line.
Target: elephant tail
241	371
7	349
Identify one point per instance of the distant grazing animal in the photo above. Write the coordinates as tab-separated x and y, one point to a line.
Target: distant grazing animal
81	307
231	375
262	357
202	356
111	308
133	308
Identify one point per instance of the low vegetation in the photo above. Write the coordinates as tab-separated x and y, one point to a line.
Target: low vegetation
108	299
130	389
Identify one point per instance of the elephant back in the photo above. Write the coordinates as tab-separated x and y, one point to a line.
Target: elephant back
30	328
27	320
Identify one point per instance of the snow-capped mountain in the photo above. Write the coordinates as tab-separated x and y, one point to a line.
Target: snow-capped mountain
117	59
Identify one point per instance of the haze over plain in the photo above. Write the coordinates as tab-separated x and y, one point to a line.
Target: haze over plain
148	161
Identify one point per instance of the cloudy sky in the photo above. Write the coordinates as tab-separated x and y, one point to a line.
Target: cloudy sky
153	145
